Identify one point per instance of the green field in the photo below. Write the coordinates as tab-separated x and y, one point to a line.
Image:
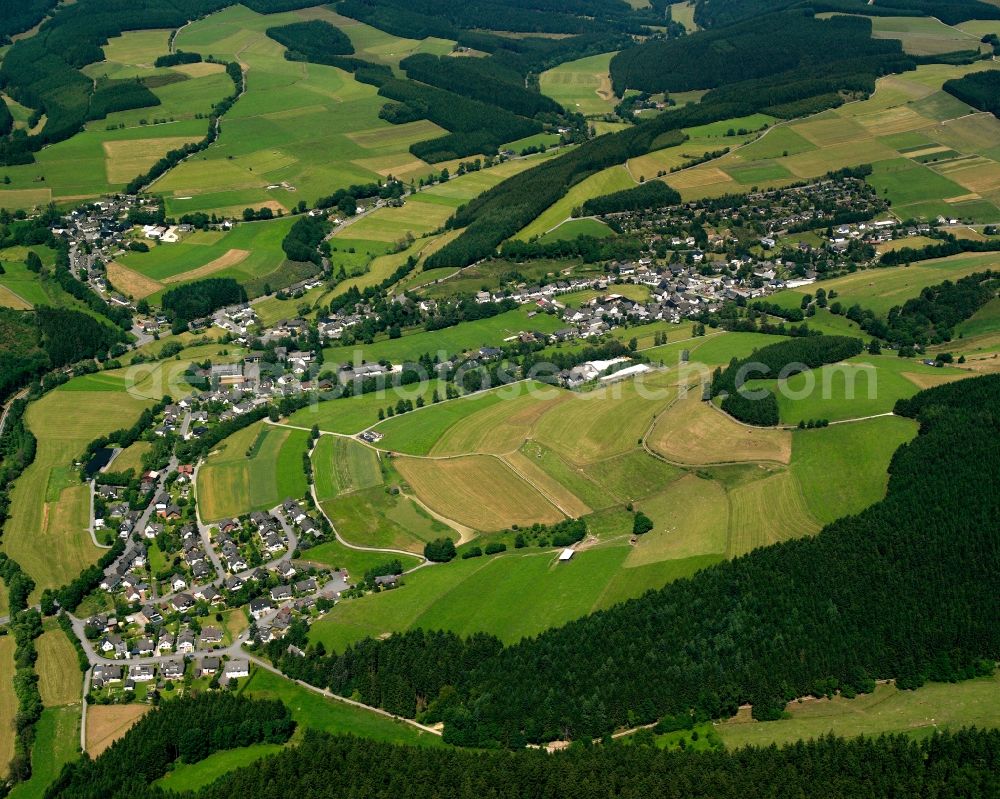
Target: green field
582	86
250	253
302	129
844	468
578	227
440	283
606	181
449	341
59	676
357	562
919	713
350	415
495	422
374	517
508	595
192	776
880	289
862	386
57	742
8	703
341	465
50	539
231	484
328	715
419	432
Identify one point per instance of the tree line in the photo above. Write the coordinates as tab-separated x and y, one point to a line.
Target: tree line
945	765
474	127
979	89
184	730
304	239
484	79
174	157
931	317
654	194
201	297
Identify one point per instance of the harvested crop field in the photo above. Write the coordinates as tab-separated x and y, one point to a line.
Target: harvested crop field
131	283
767	511
498	428
59	675
692	432
107	723
478	491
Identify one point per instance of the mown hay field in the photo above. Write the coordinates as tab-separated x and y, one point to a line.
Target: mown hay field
49	537
59	675
693	432
342	465
230	483
582	86
57	742
478	490
107	723
8	703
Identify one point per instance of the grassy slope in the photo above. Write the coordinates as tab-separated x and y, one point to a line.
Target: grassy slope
919	713
59	677
449	341
862	386
57	741
582	86
353	414
843	468
49	539
310	710
8	703
230	484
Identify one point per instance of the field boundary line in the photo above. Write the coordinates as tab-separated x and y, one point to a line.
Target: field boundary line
538	490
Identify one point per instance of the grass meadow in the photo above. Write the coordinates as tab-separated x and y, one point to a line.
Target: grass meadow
918	713
862	386
606	181
301	130
312	711
47	532
231	484
57	742
582	86
844	468
59	675
450	340
8	703
250	253
880	289
350	415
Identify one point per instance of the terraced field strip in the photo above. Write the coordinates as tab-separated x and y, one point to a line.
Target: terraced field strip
8	703
59	675
767	511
